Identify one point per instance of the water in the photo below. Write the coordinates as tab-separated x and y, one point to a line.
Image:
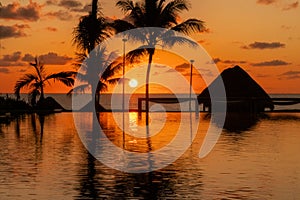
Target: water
66	101
261	161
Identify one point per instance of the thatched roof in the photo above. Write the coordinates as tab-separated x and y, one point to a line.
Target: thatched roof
239	86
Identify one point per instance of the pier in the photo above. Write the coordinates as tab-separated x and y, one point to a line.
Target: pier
233	104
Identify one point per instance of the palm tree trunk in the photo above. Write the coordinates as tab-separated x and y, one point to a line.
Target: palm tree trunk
94	8
42	97
149	144
147	86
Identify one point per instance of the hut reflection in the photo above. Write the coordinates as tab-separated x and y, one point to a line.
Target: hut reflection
234	121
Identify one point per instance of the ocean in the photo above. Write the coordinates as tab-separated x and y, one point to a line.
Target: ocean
44	156
46	159
105	101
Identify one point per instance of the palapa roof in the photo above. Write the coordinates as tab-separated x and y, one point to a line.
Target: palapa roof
238	85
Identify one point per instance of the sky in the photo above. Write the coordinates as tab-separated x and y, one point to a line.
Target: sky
262	36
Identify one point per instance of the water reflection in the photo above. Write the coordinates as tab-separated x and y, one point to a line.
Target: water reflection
96	181
46	160
235	122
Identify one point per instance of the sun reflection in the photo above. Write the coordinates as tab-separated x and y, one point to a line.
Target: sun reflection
133	117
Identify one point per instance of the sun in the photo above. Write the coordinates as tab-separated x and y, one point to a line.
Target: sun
133	83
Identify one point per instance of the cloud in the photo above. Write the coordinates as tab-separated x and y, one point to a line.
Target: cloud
69	4
201	41
51	2
216	60
15	11
286	27
281	4
13	57
14	31
86	8
235	62
291	6
17	59
291	75
51	29
265	2
4	70
160	66
72	5
264	45
183	67
28	57
54	59
61	15
271	63
50	58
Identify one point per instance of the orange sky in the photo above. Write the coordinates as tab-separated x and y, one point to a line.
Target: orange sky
262	36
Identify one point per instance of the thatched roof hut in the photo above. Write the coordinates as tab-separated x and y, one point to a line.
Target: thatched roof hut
243	94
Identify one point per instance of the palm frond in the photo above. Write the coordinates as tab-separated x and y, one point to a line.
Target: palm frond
82	77
113	81
172	40
125	5
135	55
78	89
169	13
79	59
176	6
190	26
101	87
121	26
90	32
25	81
39	67
66	78
111	70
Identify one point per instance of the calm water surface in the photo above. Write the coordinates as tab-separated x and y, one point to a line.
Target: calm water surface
257	162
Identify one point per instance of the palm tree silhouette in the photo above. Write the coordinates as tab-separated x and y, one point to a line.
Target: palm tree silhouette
98	69
156	13
91	30
37	80
94	61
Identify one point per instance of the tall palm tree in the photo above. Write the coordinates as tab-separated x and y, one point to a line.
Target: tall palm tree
90	32
156	13
37	80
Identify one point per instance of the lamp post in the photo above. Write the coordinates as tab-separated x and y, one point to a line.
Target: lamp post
123	94
191	84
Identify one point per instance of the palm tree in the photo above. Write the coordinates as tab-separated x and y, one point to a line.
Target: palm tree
156	13
97	69
91	30
37	80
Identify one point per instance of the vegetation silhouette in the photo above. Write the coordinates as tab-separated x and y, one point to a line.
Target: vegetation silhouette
91	30
155	13
97	71
98	66
37	81
11	105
